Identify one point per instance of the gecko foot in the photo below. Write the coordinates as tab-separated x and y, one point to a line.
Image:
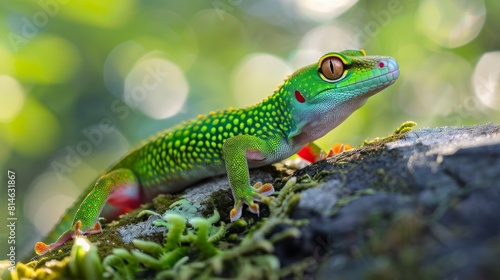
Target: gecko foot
259	192
338	148
42	248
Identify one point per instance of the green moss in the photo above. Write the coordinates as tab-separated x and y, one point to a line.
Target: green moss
396	135
220	199
343	201
162	202
199	248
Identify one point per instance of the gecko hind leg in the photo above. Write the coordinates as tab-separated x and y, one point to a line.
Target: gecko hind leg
114	184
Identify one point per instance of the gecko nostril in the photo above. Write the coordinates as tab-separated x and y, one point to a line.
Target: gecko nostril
381	64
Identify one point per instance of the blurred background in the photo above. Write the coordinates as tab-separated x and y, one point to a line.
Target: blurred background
81	82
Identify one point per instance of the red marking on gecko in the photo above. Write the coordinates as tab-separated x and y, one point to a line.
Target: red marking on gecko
299	97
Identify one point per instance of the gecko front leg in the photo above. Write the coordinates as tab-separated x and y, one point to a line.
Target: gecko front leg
236	151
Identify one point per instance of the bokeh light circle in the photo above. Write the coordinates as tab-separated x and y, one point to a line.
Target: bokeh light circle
486	79
11	98
451	23
157	87
257	76
322	10
323	39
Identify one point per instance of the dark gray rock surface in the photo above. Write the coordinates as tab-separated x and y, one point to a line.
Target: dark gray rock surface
426	206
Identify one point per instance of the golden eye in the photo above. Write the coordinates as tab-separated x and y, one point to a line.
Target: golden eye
332	68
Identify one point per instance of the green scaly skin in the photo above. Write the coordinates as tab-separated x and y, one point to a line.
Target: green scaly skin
310	103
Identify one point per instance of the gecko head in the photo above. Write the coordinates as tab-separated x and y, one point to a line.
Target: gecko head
324	94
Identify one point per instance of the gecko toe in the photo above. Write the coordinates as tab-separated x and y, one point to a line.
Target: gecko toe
264	190
235	213
254	208
257	185
41	248
78	230
96	229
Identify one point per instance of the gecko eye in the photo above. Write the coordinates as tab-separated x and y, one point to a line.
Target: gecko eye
332	68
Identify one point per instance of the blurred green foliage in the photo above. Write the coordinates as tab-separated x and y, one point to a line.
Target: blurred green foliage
65	65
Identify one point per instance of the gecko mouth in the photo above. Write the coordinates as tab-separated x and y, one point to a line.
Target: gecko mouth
377	82
391	75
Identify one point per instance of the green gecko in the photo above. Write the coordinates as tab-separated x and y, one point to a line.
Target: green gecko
310	102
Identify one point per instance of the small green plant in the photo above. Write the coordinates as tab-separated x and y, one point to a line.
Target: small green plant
196	238
189	248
